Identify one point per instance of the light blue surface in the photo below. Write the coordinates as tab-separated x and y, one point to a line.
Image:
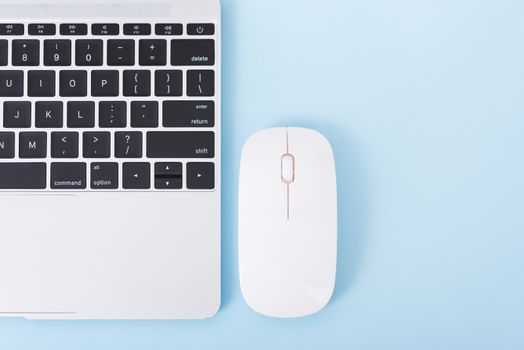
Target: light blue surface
424	104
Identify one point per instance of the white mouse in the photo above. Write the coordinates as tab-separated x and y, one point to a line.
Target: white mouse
287	222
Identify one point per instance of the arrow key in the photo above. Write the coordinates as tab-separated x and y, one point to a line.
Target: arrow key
168	175
96	144
200	176
136	176
64	145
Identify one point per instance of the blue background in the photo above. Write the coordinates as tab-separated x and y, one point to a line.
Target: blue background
423	103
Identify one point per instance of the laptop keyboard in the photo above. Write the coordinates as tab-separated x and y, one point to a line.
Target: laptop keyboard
107	106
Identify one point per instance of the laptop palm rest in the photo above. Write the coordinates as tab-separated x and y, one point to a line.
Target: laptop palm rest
38	253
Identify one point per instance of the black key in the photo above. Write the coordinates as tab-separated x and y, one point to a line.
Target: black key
17	114
49	114
120	52
41	83
104	83
136	176
137	83
104	176
73	83
3	52
24	176
185	114
128	144
105	29
168	29
200	29
73	29
137	29
200	176
32	145
200	83
168	83
68	176
180	144
96	144
89	52
112	114
192	52
26	52
168	175
81	114
11	29
64	144
152	52
42	29
11	83
57	52
7	145
144	114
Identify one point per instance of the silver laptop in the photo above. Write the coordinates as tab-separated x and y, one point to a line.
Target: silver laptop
110	159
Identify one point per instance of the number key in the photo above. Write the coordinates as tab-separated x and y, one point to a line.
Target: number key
26	52
89	52
57	52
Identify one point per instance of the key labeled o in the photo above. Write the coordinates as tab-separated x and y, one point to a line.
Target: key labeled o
72	83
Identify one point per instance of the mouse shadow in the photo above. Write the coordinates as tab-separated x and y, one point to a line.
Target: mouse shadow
353	201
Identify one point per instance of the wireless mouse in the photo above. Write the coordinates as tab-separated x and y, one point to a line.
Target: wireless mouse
287	222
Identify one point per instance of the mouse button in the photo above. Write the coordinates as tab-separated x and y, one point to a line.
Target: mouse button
288	168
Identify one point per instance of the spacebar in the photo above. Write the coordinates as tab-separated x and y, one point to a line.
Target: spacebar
23	176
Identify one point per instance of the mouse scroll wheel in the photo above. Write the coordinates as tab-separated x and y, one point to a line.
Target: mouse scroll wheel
288	168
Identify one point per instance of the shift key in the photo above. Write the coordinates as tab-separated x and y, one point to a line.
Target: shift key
180	144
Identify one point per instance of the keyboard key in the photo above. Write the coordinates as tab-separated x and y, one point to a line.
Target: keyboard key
89	52
57	52
42	29
24	176
200	29
187	114
11	83
7	145
104	83
168	29
73	29
96	144
49	114
168	175
136	175
73	83
144	114
168	83
68	176
180	144
120	52
11	29
105	29
137	29
200	176
81	114
41	83
64	144
112	114
128	144
17	114
104	176
3	53
137	83
26	52
152	52
200	83
192	52
32	145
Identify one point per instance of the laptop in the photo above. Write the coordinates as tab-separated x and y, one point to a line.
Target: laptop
109	159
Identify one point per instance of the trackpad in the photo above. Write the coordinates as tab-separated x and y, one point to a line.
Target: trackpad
39	237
